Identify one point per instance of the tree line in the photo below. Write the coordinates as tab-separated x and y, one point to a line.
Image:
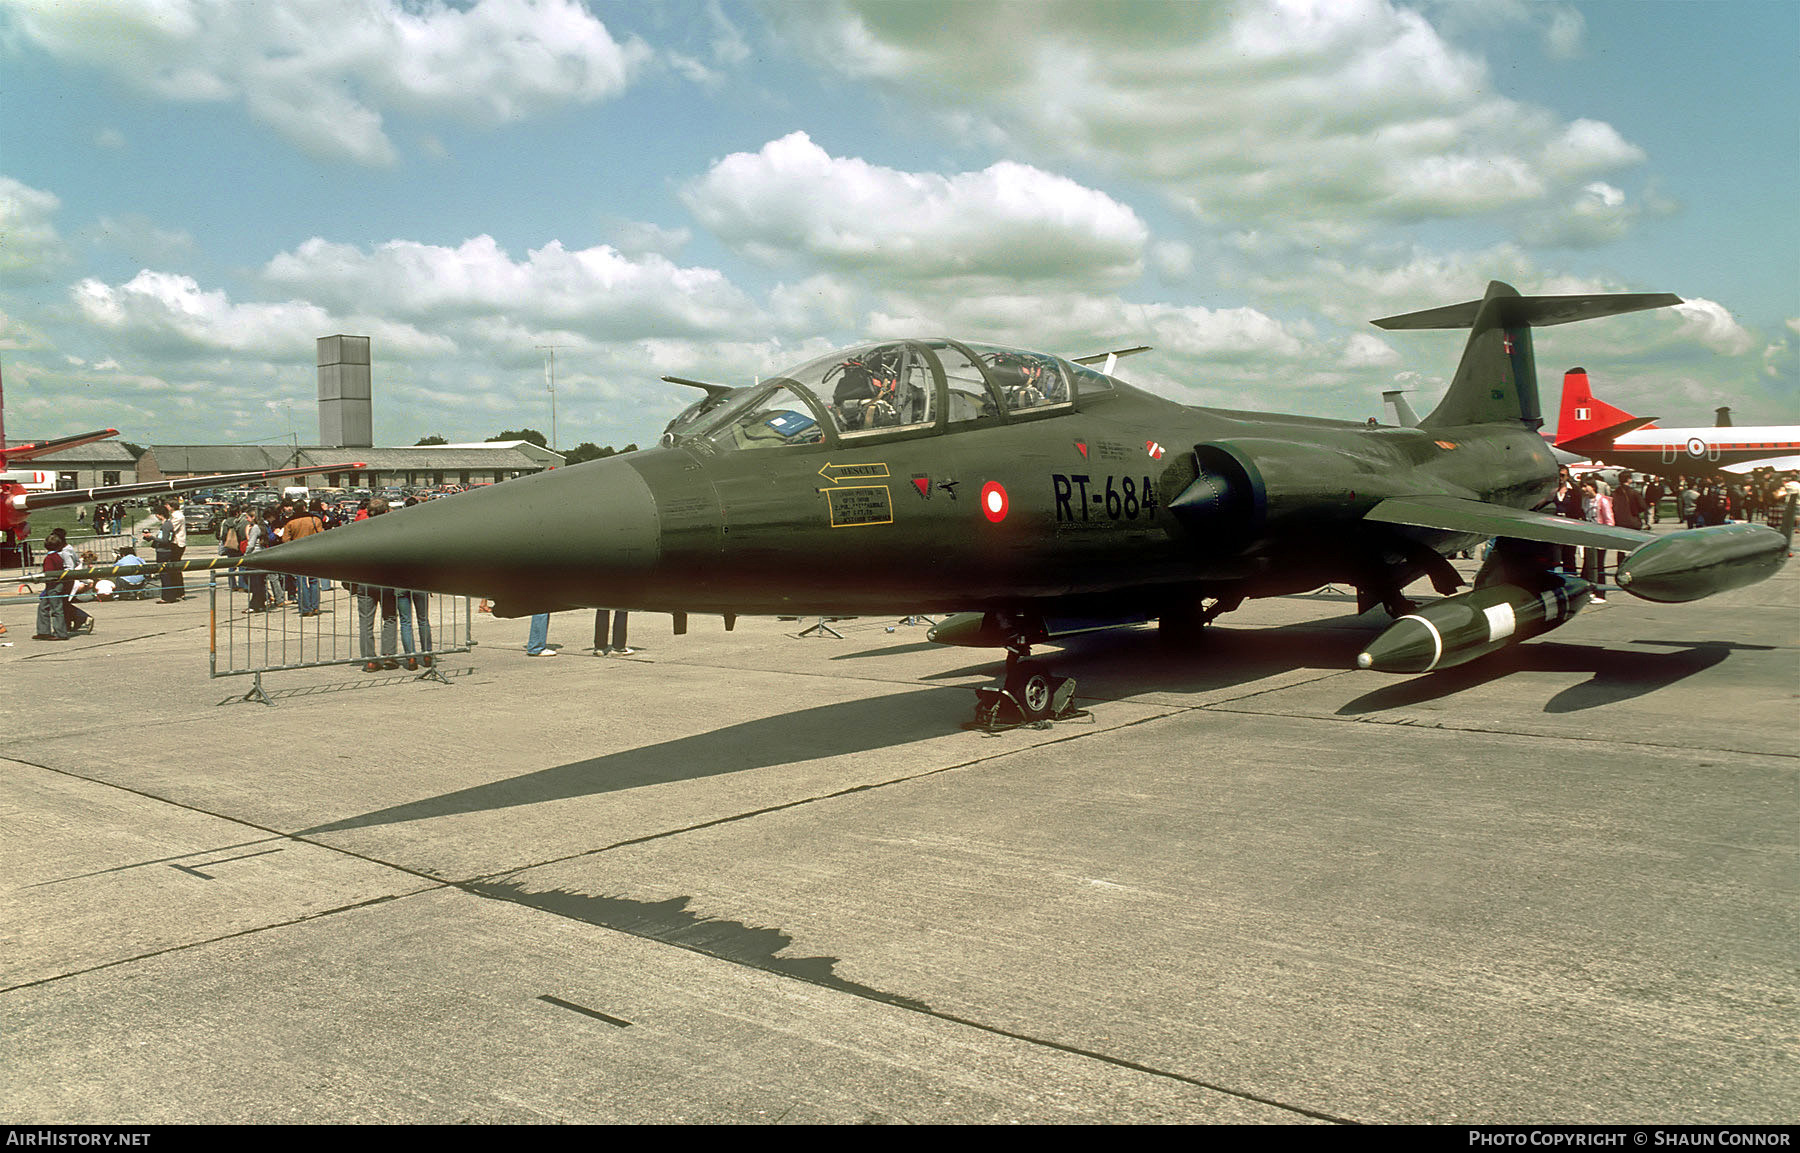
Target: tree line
586	450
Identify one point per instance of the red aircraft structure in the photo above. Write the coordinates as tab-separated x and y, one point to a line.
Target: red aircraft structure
17	501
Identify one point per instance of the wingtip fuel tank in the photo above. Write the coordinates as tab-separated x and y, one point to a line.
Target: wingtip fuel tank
1686	566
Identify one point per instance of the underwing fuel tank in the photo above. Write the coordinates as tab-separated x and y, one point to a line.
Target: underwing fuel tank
1686	566
1457	629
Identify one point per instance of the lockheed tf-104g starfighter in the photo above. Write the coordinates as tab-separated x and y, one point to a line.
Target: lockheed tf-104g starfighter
1031	495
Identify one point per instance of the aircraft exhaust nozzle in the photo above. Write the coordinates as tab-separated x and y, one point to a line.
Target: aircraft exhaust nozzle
1685	566
1459	629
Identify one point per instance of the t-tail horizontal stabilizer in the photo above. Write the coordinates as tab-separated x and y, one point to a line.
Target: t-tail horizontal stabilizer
1496	380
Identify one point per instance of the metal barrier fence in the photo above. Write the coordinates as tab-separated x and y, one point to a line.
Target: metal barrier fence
267	622
28	554
263	622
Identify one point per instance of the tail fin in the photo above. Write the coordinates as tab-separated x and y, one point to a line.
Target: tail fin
1587	425
1582	413
1404	416
1496	381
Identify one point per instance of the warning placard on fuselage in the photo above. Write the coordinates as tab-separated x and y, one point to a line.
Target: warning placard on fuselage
853	505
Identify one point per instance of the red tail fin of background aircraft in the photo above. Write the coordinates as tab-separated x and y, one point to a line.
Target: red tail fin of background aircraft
1582	415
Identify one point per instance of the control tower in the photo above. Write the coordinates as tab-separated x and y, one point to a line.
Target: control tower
346	396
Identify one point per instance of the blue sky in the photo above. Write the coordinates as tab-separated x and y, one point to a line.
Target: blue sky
192	190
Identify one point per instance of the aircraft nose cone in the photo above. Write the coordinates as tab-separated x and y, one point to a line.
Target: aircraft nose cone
563	538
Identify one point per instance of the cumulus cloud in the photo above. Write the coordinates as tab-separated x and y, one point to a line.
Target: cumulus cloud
637	237
792	199
1712	325
1780	358
818	303
175	310
1588	146
29	245
1349	110
142	241
322	73
1172	259
1564	35
599	291
1363	350
1384	284
1597	214
1076	323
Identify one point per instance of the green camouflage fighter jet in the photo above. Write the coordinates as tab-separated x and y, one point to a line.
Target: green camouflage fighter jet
1031	496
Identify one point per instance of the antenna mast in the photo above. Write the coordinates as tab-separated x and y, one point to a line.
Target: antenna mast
551	348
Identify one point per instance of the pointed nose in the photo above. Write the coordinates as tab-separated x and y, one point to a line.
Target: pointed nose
584	535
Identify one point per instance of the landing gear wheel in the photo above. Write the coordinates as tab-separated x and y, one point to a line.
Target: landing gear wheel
1031	688
1027	695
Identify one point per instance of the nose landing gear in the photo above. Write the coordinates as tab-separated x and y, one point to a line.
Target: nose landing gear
1029	694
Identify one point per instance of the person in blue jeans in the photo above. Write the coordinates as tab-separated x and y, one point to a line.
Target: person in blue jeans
413	603
537	644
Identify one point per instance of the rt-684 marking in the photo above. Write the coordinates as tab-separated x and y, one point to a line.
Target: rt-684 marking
1080	496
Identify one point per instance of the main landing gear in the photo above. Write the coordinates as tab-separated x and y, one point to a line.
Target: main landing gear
1029	694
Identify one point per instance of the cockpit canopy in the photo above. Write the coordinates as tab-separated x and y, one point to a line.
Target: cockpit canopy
902	387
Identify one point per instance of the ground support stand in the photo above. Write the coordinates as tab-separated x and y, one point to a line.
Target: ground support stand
256	692
433	673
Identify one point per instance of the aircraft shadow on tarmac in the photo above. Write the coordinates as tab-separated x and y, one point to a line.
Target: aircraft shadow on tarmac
1618	675
891	651
1122	663
880	722
1110	665
671	922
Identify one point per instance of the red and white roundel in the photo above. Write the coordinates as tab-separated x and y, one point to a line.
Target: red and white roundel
993	501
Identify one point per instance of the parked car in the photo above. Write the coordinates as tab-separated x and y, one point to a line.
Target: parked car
203	516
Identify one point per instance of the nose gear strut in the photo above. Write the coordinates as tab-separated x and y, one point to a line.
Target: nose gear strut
1029	694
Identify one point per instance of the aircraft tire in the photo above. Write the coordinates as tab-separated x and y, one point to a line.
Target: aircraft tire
1032	690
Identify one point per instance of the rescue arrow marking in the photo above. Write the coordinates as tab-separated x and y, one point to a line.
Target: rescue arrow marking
837	472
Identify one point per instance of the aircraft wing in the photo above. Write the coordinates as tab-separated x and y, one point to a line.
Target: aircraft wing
38	501
1459	514
1778	463
1602	439
57	444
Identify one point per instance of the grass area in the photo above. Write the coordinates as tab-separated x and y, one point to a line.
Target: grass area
64	518
79	532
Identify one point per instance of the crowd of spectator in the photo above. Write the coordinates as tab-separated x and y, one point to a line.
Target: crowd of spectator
242	531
